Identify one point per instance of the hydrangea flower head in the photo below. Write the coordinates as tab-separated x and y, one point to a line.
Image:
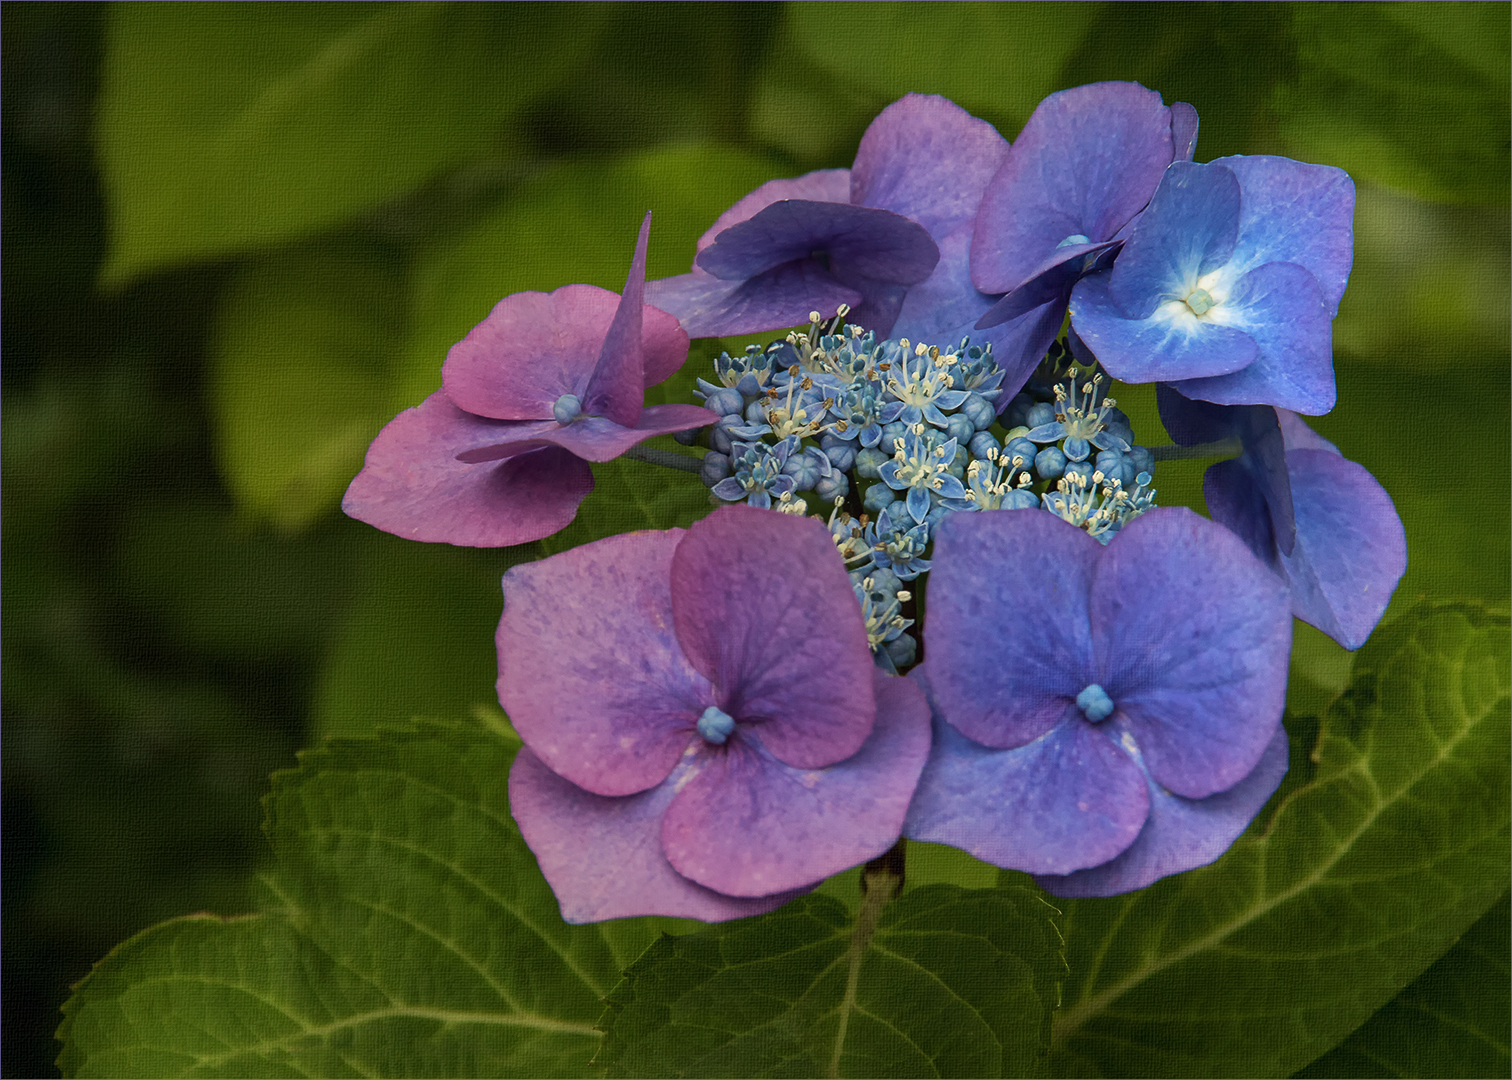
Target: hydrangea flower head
705	731
1104	716
1228	284
860	236
547	383
1319	520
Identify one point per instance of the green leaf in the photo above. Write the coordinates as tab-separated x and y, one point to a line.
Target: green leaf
221	129
302	353
1410	96
1362	875
1452	1021
574	222
959	50
943	981
405	932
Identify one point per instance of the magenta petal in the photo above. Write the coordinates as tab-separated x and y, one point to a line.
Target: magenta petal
602	856
779	298
1086	162
413	486
594	438
1351	548
749	825
1007	637
617	387
1193	639
1068	800
1181	834
533	348
765	610
824	185
878	244
590	672
928	159
664	345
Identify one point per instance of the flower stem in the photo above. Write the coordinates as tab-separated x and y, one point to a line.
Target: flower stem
1223	448
881	880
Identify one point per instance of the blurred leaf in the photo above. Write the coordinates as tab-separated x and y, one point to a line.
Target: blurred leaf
222	128
574	222
951	982
1412	96
1357	880
995	60
1452	1021
405	932
225	588
301	359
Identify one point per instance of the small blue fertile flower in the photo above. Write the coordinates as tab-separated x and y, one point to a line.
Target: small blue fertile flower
706	732
1079	420
920	466
861	236
1320	521
1104	716
758	475
1228	285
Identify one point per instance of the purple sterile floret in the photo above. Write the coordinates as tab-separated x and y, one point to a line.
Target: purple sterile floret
546	383
700	709
863	237
1180	833
1085	164
1228	284
1074	685
1321	522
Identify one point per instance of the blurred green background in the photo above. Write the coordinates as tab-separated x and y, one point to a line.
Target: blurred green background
239	238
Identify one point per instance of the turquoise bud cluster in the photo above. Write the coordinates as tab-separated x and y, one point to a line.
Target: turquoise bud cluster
894	435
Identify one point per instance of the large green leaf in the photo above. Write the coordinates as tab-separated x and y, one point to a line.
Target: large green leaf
405	932
992	59
1366	871
226	127
1412	96
1452	1021
943	981
301	356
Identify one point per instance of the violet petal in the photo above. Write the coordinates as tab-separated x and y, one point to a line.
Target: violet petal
876	243
1187	231
748	825
590	671
1007	638
928	159
765	610
1351	548
1281	307
616	389
595	438
1183	131
1297	213
1193	639
1087	161
1068	800
777	298
530	350
823	185
602	856
1172	344
1181	834
413	486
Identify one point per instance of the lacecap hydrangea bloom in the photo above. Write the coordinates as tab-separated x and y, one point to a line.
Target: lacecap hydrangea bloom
705	732
1104	715
544	385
